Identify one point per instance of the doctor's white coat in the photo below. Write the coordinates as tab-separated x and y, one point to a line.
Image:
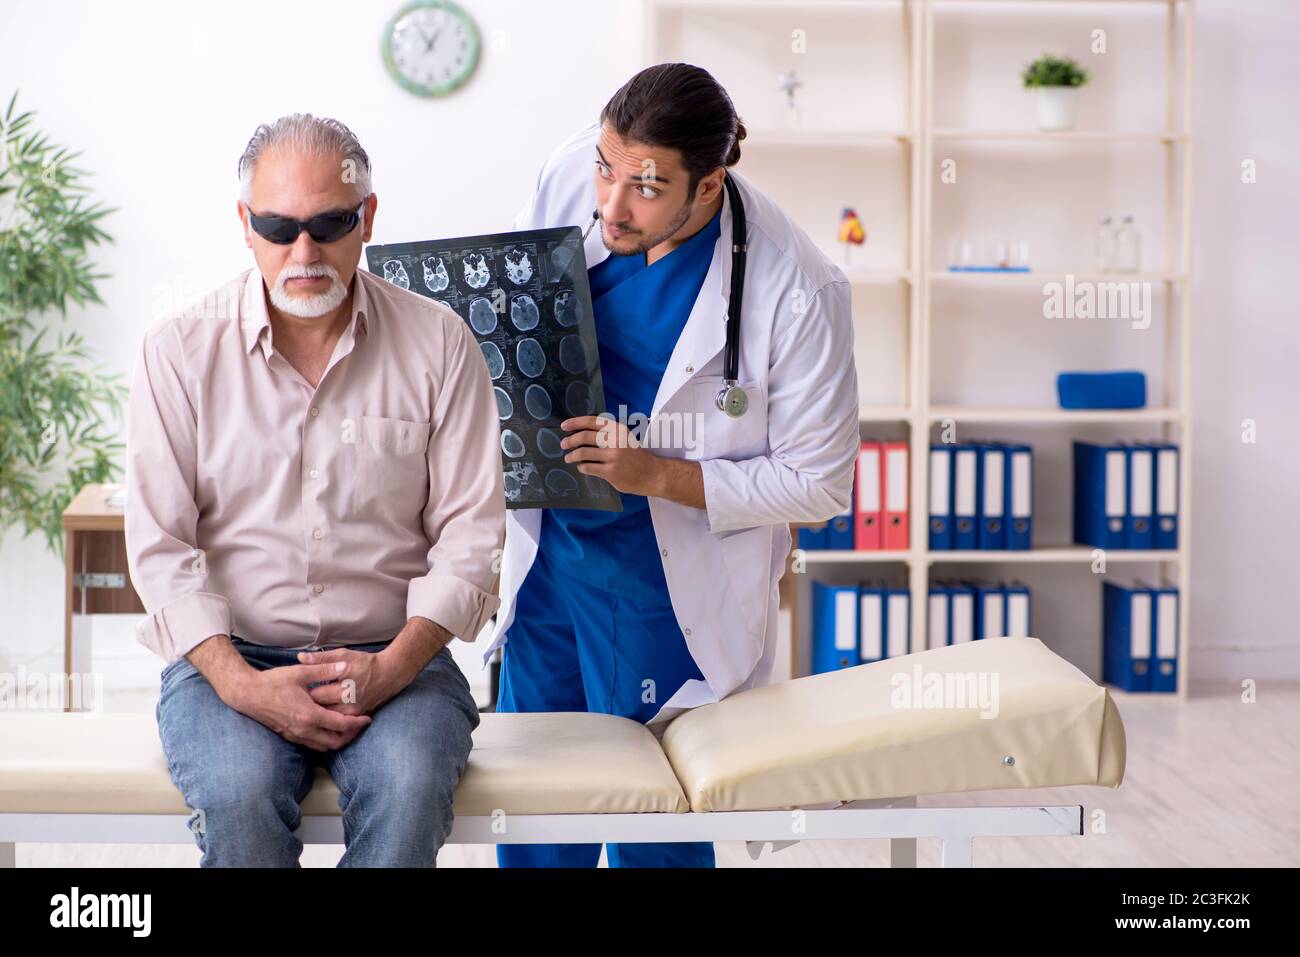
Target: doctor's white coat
789	458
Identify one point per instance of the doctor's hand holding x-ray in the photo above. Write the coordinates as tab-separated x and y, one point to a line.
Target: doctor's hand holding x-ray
672	602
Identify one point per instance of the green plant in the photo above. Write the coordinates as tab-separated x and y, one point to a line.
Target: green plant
1054	71
54	406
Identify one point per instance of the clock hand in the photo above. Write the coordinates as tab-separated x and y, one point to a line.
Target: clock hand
433	41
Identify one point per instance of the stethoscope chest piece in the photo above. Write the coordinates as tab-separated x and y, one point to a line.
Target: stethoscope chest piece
733	400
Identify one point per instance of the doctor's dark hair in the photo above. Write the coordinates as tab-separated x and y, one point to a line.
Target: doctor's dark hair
682	107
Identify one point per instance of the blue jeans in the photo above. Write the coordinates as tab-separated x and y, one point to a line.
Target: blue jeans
245	782
578	648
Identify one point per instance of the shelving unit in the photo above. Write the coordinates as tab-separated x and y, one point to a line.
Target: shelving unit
919	273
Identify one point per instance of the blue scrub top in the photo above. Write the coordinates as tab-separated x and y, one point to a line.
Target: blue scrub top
640	311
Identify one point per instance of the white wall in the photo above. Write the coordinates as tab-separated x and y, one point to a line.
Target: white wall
162	98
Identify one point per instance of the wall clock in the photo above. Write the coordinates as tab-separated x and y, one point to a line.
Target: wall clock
431	47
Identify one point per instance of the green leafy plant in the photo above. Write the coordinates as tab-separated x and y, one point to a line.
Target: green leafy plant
1054	71
55	407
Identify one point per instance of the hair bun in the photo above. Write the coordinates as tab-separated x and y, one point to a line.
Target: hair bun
733	157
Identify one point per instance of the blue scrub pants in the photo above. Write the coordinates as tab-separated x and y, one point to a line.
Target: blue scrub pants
572	647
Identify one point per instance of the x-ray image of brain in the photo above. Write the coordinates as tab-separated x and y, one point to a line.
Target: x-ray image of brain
395	273
537	401
512	444
548	443
568	310
561	483
435	274
482	317
577	399
522	482
519	267
505	408
561	258
573	355
496	362
524	313
530	358
476	270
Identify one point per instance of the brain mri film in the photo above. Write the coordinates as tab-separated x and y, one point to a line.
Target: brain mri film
395	273
519	267
482	317
496	362
512	444
573	355
530	357
524	296
505	407
477	274
524	313
567	309
538	402
435	274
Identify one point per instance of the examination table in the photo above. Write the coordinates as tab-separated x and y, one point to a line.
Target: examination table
833	756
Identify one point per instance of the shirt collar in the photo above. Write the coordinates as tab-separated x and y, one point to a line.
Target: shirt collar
255	321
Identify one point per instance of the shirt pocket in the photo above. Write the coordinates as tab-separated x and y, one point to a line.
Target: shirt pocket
719	435
392	468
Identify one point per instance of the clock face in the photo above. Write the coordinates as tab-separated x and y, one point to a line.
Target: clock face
431	47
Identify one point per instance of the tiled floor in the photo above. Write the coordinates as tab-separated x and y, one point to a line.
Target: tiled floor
1213	781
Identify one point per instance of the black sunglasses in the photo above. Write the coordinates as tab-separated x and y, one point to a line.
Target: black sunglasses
325	228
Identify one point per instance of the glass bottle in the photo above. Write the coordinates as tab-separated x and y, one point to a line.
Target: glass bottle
1105	245
1128	247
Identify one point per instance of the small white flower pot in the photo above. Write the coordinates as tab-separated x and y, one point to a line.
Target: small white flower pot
1057	107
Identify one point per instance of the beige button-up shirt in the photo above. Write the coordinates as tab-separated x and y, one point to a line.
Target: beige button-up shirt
300	517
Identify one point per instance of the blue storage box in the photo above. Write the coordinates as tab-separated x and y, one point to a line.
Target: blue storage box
1102	390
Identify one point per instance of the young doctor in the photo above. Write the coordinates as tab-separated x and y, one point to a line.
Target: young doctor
672	602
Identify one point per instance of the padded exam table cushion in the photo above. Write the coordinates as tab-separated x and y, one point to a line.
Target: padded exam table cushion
799	743
839	737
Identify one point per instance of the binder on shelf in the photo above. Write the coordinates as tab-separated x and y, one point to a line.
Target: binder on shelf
938	616
894	477
1126	637
835	627
1166	497
866	526
1100	494
1017	610
1018	511
1138	530
940	497
961	617
839	530
815	538
991	496
990	613
898	621
965	465
871	622
1164	669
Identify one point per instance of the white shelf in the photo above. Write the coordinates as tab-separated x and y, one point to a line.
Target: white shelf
824	139
831	556
1038	277
1061	553
867	276
1067	136
1027	414
884	413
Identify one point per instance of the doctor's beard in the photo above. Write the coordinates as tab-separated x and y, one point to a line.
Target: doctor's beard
315	305
646	245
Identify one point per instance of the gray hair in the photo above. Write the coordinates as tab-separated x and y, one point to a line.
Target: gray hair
315	135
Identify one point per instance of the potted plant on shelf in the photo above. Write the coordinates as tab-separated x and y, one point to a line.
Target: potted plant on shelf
1057	80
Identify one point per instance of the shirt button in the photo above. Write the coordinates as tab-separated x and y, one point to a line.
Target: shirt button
690	368
318	588
686	631
314	473
314	411
664	552
317	533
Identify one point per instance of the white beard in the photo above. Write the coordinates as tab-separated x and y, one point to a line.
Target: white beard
315	305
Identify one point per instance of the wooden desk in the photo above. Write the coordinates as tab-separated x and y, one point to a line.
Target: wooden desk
97	581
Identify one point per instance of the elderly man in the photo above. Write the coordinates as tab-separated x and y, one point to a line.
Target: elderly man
314	509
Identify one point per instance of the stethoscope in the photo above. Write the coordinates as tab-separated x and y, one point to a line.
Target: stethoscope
731	398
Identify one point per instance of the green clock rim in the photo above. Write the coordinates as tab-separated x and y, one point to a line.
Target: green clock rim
438	89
